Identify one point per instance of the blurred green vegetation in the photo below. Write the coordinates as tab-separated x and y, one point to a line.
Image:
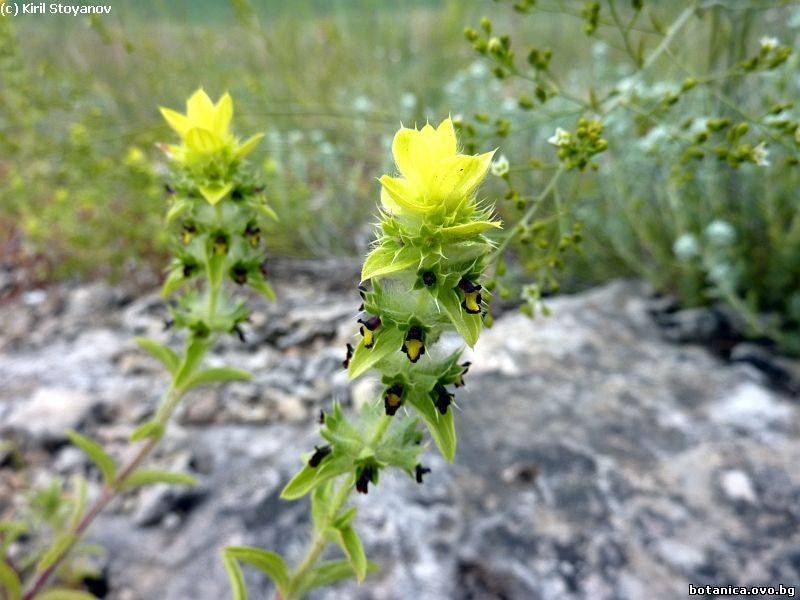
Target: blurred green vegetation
329	81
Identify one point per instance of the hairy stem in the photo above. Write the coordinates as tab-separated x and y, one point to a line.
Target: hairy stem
108	493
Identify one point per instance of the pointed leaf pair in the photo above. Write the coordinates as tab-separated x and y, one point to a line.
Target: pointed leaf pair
263	287
387	341
265	561
166	356
194	354
384	261
94	451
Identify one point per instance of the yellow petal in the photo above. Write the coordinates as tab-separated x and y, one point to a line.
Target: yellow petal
456	178
402	194
176	120
406	150
215	193
249	145
446	138
223	113
200	109
202	141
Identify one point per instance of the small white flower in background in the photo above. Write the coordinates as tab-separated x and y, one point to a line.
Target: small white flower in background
408	100
509	104
560	138
362	104
720	232
478	69
686	247
457	119
761	155
768	43
500	166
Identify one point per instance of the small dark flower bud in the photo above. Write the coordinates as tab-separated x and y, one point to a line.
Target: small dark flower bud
168	323
188	233
459	382
169	189
367	329
414	344
189	269
239	273
472	297
321	419
220	245
253	234
236	194
320	452
419	471
239	333
441	398
393	399
346	361
429	278
364	479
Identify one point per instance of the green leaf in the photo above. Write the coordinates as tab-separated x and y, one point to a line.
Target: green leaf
65	594
266	210
215	375
441	426
194	354
9	581
60	545
310	477
329	573
150	429
363	359
235	576
142	477
177	209
93	450
345	518
79	492
348	539
166	356
263	287
383	261
174	280
267	562
319	505
468	326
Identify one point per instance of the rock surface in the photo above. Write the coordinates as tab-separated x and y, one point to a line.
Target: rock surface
596	459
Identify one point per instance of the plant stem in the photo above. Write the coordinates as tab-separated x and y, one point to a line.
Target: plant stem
321	540
108	493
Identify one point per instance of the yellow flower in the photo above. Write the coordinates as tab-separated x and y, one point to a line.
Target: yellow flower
205	130
435	177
